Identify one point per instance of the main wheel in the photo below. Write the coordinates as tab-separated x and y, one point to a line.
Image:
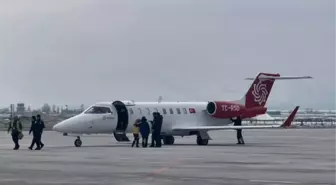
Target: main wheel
168	140
78	143
201	141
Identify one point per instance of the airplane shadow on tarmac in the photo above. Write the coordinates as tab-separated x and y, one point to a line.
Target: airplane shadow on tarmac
95	146
233	145
128	145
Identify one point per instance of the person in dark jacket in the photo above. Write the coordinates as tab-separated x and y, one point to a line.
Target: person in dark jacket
153	129
39	130
15	127
144	130
33	129
238	122
158	125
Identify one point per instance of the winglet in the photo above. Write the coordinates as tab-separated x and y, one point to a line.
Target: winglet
290	118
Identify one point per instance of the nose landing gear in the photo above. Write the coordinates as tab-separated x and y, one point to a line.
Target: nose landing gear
78	142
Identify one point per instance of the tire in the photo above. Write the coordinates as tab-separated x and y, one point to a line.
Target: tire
168	140
78	143
201	141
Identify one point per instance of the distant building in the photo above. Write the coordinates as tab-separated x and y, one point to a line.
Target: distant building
54	108
46	108
4	111
20	108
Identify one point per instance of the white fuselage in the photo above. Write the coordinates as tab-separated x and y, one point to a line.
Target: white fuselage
179	118
174	113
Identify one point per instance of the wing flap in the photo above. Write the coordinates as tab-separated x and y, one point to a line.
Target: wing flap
286	124
207	128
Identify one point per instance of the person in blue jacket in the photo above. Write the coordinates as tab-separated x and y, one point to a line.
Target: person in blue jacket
144	130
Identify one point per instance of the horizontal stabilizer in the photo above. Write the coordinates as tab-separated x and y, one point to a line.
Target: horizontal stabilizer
281	77
286	124
290	118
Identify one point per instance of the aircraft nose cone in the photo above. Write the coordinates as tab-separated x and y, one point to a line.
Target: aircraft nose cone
56	127
59	127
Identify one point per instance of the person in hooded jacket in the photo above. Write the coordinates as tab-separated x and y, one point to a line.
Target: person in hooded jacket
136	130
144	130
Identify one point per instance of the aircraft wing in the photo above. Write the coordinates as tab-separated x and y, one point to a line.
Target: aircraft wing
286	124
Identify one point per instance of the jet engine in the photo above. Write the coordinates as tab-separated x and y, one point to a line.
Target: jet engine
223	109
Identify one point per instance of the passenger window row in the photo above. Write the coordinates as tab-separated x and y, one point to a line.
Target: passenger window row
164	111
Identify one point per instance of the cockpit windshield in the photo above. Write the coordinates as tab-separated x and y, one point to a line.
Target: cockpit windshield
98	110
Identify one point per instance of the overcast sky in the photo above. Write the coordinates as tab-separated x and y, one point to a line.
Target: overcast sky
81	51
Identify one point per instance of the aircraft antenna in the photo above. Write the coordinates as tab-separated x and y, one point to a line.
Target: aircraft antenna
160	99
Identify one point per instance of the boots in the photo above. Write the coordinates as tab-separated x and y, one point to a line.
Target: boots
240	141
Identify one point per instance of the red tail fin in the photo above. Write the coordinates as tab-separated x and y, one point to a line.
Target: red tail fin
259	91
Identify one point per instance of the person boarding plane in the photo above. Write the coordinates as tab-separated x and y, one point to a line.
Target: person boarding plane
180	118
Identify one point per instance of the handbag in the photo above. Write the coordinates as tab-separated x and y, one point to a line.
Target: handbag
20	136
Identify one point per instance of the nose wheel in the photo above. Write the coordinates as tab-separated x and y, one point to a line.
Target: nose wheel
78	142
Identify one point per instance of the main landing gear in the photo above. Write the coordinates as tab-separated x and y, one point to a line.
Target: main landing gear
78	142
201	141
168	140
203	138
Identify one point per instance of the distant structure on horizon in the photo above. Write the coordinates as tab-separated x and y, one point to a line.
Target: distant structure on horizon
20	108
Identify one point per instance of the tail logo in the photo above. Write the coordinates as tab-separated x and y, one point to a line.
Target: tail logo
260	92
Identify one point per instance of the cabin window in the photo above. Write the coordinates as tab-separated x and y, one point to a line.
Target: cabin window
171	111
148	111
131	111
98	110
185	111
178	110
140	112
164	111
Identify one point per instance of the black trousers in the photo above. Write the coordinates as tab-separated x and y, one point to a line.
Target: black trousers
153	140
136	140
36	140
240	136
144	141
15	137
158	140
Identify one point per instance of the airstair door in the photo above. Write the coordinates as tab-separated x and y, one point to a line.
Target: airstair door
122	124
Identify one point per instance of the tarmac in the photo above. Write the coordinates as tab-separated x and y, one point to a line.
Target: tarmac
269	157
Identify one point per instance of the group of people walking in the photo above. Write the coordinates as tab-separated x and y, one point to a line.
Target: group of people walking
142	127
37	125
